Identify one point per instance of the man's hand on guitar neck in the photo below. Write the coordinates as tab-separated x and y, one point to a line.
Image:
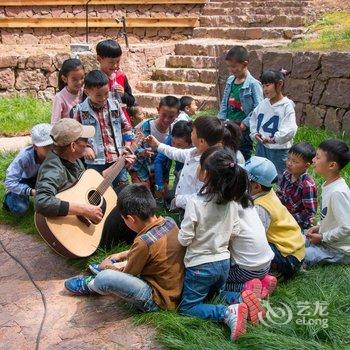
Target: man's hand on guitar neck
92	212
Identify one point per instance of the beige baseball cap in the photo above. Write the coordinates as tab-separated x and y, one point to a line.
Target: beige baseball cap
68	130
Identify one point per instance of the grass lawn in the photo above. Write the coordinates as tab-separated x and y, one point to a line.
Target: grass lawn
322	285
333	33
19	114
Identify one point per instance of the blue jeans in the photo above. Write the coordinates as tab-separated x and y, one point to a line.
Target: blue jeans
203	282
285	265
323	254
16	203
277	156
120	180
130	288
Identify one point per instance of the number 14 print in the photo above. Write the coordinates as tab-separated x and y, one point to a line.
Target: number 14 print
271	126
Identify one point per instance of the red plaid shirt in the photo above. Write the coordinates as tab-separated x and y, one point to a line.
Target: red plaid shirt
299	197
110	149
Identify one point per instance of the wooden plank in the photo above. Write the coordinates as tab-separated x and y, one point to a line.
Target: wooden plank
96	2
131	22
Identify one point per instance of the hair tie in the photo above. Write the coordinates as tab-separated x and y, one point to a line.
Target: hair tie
231	165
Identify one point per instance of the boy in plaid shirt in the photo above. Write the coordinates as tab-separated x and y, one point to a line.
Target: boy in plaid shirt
298	192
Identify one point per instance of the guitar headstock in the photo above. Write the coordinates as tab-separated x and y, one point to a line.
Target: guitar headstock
138	139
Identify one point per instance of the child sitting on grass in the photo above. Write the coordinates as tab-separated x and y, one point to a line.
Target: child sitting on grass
273	123
143	169
188	108
22	173
282	231
206	132
180	138
211	218
241	95
329	242
109	54
150	274
70	87
297	190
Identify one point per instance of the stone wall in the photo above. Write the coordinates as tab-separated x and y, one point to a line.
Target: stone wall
37	74
34	36
318	83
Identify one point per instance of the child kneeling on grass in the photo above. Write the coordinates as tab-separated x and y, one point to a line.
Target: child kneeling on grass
282	231
211	217
330	241
150	274
22	173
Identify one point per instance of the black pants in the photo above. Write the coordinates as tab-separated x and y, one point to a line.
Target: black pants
246	144
115	231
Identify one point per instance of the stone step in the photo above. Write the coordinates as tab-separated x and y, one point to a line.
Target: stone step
217	47
218	11
148	100
273	3
176	88
200	62
207	76
252	21
252	33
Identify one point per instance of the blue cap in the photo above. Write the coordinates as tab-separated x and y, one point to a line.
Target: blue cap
261	170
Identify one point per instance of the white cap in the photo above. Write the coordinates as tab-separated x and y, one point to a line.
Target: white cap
41	135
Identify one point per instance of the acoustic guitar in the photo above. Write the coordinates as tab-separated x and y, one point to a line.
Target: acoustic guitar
75	236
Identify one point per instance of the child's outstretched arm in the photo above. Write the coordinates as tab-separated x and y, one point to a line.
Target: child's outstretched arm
174	153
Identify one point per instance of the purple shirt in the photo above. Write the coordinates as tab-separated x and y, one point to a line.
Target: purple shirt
299	197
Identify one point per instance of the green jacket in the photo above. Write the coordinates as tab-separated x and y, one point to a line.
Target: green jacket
55	174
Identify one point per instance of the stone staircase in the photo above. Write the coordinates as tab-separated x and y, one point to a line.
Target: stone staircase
192	70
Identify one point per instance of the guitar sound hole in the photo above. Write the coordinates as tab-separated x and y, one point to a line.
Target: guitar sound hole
94	198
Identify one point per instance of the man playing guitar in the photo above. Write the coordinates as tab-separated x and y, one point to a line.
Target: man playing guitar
62	168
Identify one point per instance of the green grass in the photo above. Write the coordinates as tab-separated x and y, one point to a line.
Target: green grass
333	33
19	114
329	284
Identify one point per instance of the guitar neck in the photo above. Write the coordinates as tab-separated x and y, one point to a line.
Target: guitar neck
114	171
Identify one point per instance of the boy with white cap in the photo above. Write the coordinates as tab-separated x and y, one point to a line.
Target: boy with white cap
22	172
282	231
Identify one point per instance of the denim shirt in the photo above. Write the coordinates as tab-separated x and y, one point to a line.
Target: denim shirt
22	171
250	95
86	116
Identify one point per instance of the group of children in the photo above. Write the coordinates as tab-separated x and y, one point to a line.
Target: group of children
237	234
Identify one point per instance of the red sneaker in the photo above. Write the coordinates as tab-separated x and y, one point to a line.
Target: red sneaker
237	320
269	284
255	309
255	286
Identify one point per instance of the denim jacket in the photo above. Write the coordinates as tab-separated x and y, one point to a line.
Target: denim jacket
250	95
120	127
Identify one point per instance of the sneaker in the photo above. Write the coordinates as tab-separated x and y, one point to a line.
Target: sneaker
269	284
255	286
255	309
79	285
237	320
